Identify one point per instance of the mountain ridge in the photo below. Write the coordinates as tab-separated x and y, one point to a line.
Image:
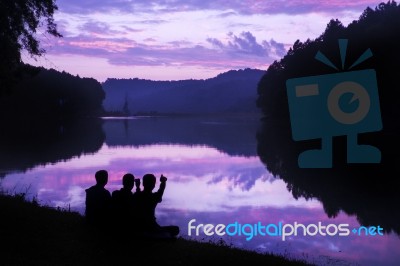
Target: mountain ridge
234	91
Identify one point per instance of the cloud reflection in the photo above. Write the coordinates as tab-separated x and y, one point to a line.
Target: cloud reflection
320	250
212	187
200	178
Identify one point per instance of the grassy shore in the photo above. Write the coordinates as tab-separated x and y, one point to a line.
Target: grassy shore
40	235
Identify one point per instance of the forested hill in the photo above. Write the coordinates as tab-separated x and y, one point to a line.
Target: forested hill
234	91
376	30
47	93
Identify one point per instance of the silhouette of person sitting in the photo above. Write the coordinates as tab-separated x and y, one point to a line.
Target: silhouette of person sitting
98	200
124	201
147	202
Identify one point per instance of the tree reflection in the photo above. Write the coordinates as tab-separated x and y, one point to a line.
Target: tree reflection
29	143
369	191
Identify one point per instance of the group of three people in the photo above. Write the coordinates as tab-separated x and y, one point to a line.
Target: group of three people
134	212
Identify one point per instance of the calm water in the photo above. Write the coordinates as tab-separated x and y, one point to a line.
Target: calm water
215	176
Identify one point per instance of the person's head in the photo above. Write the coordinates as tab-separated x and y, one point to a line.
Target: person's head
128	181
149	181
101	177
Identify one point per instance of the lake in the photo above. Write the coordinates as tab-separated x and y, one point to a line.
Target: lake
220	170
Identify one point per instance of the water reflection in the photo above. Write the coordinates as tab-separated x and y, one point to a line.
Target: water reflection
222	183
200	178
233	135
370	192
26	143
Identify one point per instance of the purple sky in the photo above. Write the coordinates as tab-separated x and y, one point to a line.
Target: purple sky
182	39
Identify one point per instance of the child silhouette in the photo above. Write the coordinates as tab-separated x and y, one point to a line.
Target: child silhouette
98	200
124	203
147	203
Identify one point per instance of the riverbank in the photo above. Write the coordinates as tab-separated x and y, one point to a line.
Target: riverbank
40	235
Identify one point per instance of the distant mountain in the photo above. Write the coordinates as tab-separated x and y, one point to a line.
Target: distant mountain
234	91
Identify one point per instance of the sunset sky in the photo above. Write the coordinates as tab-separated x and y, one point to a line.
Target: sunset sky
183	39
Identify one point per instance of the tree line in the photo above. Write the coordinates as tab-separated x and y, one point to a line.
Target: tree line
365	190
52	94
30	91
377	29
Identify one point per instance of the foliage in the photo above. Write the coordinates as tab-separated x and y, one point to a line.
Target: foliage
20	21
351	188
377	29
53	94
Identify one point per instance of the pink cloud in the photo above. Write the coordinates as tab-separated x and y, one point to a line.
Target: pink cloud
243	7
239	51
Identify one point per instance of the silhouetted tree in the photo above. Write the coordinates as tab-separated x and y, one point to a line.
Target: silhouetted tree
53	94
377	29
19	21
367	191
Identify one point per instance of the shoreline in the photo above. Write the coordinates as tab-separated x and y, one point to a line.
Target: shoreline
42	235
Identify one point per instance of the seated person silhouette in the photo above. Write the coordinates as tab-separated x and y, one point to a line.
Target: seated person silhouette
124	200
147	202
98	200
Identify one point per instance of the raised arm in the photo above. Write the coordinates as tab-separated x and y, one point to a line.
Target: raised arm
137	183
160	192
